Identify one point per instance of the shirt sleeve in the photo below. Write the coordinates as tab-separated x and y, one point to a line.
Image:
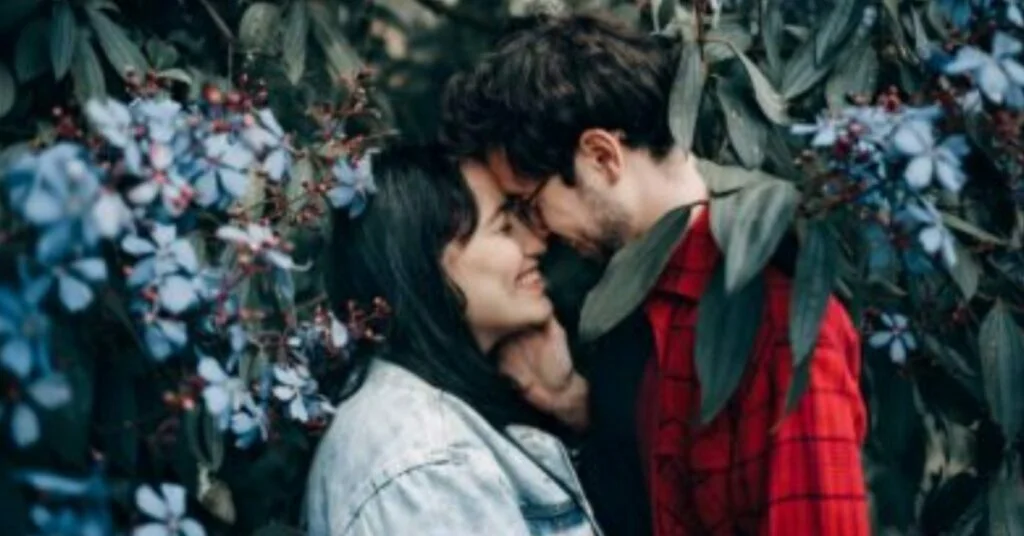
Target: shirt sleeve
816	483
465	494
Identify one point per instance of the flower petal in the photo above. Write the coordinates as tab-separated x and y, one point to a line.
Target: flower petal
144	193
174	330
284	392
931	239
1013	70
211	371
110	214
163	235
993	82
1003	45
16	356
24	426
52	391
235	183
143	272
55	242
216	398
135	245
950	176
157	343
149	502
175	496
281	260
176	294
93	269
74	294
297	409
191	527
897	352
913	137
880	339
185	255
341	196
232	234
967	59
919	172
153	529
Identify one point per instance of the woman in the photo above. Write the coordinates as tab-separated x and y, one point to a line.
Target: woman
429	437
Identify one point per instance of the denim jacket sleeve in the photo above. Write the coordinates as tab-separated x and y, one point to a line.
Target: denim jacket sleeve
461	493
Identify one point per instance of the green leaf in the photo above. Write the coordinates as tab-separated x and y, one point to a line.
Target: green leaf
968	228
844	16
816	266
161	54
8	90
342	59
87	72
723	180
258	26
30	58
685	99
662	12
1002	368
296	41
115	405
123	54
12	12
966	271
955	365
772	104
1006	501
727	325
62	38
797	386
857	74
737	36
771	36
749	225
179	75
631	273
747	133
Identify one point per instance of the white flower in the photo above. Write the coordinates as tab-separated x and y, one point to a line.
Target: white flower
934	237
915	139
168	509
293	382
897	337
999	76
260	240
222	392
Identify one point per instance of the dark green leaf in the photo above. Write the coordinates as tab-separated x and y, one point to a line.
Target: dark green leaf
968	228
63	37
8	90
966	271
727	325
259	25
295	42
798	385
12	12
30	58
685	99
747	134
342	59
801	72
87	72
161	54
722	180
1006	501
662	12
276	528
749	225
856	74
771	36
812	287
123	54
737	35
178	75
772	104
1001	348
955	365
630	275
844	17
116	407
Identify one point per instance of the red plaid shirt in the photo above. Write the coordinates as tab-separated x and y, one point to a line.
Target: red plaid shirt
737	475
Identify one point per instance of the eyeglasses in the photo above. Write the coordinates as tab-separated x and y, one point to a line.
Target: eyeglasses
525	208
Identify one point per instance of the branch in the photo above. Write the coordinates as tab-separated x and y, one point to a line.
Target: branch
221	25
473	20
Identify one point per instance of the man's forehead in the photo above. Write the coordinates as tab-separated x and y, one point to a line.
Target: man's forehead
498	164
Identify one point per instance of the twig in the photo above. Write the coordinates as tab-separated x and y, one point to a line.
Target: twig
221	25
441	9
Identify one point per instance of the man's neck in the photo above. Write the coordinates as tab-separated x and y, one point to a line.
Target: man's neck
674	182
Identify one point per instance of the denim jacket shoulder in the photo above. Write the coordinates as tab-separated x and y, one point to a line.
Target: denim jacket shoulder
402	457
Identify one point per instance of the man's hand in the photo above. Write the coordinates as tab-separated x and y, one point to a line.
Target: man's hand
540	364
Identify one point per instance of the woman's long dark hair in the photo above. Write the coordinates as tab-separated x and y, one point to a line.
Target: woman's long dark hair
393	251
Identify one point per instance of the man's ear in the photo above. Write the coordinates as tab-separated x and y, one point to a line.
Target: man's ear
603	149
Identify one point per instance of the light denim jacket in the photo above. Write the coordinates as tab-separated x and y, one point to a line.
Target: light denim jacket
402	457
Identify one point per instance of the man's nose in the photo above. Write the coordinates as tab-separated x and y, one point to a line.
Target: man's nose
532	238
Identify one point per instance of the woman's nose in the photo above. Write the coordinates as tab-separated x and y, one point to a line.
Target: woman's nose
532	238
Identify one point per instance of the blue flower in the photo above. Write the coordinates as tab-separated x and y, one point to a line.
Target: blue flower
223	393
161	117
164	337
48	392
250	424
933	235
958	11
896	336
73	282
164	181
826	130
354	185
167	509
268	139
224	169
57	191
915	139
999	76
260	241
168	263
1015	14
25	328
299	390
68	521
114	122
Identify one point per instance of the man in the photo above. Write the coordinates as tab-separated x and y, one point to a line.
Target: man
571	116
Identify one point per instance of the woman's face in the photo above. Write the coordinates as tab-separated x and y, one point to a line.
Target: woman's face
497	267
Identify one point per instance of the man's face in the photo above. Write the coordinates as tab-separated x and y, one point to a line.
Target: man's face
584	215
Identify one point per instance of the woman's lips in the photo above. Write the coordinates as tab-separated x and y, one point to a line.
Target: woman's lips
531	280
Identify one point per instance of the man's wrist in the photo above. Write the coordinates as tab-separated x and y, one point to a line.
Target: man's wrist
571	405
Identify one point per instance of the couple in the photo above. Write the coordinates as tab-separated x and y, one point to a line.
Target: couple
452	426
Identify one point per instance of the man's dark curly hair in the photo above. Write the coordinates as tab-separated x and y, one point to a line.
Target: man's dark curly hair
551	78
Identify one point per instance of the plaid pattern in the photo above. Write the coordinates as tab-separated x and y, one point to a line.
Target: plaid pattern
745	472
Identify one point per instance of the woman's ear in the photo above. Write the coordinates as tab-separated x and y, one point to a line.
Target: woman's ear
603	150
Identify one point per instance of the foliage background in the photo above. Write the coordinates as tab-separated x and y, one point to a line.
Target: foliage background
943	451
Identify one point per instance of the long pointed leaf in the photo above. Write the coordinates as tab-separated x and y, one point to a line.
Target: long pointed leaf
772	104
685	99
30	58
342	59
8	90
123	54
295	41
1001	348
812	286
63	37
